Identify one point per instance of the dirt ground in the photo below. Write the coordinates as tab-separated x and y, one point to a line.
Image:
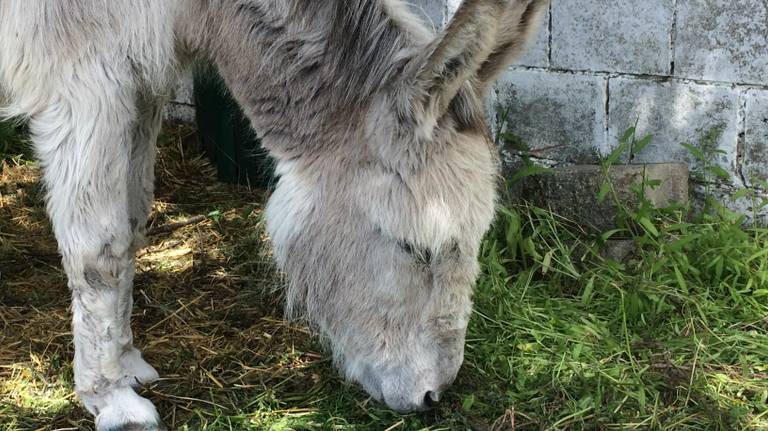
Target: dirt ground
207	314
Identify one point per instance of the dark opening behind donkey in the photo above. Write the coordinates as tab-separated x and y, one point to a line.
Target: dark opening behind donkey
387	172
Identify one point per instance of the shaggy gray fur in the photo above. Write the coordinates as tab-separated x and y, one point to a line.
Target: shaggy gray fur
387	172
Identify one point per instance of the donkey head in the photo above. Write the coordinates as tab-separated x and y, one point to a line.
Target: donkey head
380	237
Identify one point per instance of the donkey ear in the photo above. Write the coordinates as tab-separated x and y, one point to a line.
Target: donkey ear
517	27
454	57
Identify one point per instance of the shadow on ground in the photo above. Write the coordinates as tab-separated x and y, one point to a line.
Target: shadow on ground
207	314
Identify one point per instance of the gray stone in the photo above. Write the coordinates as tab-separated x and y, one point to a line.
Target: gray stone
612	35
451	6
618	249
725	195
179	112
675	113
755	165
182	106
722	40
557	116
537	53
674	182
572	191
183	92
432	11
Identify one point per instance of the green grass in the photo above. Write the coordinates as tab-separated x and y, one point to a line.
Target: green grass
674	337
13	142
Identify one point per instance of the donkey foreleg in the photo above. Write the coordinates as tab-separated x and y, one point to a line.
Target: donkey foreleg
141	178
84	139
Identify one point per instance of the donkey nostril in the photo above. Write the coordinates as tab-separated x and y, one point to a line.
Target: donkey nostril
431	399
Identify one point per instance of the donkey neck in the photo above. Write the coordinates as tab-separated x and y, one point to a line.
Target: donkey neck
305	71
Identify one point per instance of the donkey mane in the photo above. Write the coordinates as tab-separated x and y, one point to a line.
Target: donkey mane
324	61
368	43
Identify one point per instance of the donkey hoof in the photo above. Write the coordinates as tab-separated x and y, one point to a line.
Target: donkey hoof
140	427
126	411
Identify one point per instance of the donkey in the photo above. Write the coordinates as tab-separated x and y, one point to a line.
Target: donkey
387	172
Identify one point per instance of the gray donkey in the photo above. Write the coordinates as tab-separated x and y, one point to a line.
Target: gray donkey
387	173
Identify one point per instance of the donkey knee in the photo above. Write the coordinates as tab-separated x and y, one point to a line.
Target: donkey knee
99	266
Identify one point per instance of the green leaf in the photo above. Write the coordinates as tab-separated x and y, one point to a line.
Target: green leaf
546	263
720	172
513	231
605	188
608	234
653	183
614	156
515	142
588	289
695	152
641	144
627	136
648	225
468	402
641	398
679	244
680	280
758	255
215	215
527	171
742	193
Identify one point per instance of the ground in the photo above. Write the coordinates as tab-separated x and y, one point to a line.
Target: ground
673	337
207	314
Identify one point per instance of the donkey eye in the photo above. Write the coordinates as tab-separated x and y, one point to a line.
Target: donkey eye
421	255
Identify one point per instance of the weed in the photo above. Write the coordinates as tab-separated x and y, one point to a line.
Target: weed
13	142
675	337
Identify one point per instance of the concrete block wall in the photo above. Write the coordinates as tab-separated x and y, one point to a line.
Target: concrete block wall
682	70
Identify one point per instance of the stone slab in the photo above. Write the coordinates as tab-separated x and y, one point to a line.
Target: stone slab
572	191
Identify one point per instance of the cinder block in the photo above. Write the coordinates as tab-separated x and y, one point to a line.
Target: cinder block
559	116
725	195
537	53
432	11
572	191
722	40
756	136
451	6
179	112
612	35
183	92
675	113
